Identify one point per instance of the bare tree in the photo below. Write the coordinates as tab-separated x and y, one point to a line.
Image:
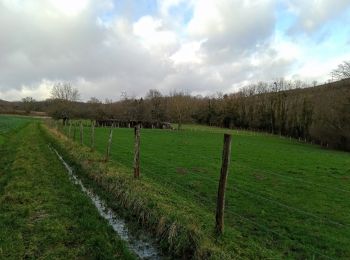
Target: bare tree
342	71
94	100
63	97
124	95
157	108
28	104
180	107
94	108
64	91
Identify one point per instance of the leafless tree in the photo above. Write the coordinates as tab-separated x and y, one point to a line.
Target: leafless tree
94	100
342	71
28	103
180	107
64	91
157	106
63	97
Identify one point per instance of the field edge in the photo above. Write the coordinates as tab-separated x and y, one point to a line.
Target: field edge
143	204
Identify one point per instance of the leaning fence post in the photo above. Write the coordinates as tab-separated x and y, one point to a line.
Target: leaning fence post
137	151
92	135
109	143
81	133
226	155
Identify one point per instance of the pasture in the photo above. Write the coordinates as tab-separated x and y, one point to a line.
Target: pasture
284	198
10	124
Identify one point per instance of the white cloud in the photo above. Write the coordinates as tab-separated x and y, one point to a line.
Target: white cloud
202	46
69	7
286	49
39	91
166	5
152	34
313	14
232	27
188	53
315	68
207	18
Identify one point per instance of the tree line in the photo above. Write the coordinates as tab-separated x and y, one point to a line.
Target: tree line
316	113
319	114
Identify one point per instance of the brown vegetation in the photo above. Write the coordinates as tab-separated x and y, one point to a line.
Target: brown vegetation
319	114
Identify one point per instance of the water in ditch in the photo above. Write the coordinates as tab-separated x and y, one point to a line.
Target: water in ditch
144	248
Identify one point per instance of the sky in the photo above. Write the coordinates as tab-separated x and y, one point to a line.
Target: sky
108	47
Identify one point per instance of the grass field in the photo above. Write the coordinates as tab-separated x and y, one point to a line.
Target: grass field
42	214
10	124
284	198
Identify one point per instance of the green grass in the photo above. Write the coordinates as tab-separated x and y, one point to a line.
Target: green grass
9	124
283	199
42	214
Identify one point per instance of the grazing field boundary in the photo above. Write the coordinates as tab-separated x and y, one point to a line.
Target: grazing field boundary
293	210
147	204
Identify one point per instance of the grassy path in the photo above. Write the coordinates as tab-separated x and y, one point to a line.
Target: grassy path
42	214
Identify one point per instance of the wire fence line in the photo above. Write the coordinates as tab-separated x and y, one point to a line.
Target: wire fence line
217	167
259	196
150	172
202	199
245	166
157	163
217	158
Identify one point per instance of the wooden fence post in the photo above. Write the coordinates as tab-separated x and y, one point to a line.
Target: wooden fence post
81	133
74	131
109	143
69	129
137	151
220	206
92	135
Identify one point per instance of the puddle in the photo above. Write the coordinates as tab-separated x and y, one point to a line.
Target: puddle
144	248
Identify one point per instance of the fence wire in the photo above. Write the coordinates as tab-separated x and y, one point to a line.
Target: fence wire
124	157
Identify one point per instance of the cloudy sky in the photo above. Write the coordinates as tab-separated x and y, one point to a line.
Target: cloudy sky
105	47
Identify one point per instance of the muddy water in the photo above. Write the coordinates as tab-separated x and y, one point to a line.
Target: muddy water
144	248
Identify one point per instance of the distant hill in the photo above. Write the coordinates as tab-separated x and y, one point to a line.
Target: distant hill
4	102
5	105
